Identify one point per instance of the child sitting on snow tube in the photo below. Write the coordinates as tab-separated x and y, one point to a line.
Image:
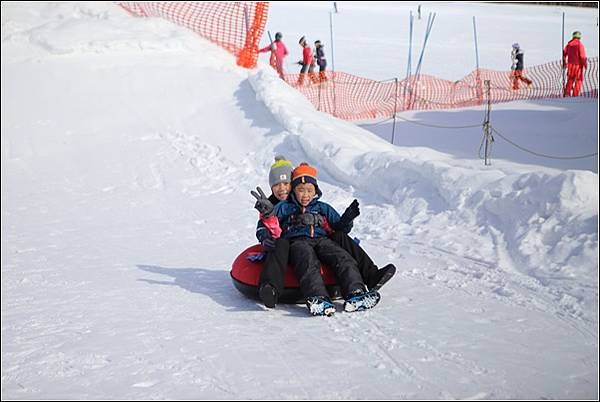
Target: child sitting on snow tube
271	281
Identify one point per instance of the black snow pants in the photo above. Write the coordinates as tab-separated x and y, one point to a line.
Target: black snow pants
366	266
306	255
275	265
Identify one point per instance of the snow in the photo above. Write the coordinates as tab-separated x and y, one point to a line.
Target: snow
129	147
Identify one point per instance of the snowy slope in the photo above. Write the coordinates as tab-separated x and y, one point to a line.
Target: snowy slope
129	147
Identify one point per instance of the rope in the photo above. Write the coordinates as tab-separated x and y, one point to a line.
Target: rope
540	154
377	123
437	126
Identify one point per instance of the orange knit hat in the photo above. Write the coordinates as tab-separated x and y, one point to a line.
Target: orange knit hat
304	173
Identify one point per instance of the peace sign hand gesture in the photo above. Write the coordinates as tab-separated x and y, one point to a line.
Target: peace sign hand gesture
263	205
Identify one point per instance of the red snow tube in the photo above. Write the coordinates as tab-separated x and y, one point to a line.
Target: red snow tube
245	275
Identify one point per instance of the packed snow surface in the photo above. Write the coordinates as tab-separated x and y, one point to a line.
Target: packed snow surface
130	145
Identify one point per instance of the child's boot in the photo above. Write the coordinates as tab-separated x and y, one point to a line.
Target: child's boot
320	305
381	277
361	300
268	295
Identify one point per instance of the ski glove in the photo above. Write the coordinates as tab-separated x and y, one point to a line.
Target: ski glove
308	218
263	205
268	243
348	216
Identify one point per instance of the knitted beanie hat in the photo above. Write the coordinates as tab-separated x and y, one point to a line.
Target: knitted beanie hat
281	171
577	35
304	173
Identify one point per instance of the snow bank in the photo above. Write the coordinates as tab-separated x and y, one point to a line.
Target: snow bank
543	221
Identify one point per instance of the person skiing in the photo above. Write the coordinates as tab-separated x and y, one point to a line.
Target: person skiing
575	61
303	220
518	63
271	282
278	52
321	61
307	63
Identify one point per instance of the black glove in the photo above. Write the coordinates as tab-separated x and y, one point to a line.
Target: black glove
308	218
268	243
349	214
263	205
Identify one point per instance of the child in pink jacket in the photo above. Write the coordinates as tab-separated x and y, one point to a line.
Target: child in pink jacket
278	52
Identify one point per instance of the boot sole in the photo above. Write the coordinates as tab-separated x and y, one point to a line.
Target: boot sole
384	279
268	296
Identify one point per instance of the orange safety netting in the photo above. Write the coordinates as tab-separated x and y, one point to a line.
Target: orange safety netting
236	27
355	98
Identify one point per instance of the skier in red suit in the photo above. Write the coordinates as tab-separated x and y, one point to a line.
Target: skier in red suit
575	61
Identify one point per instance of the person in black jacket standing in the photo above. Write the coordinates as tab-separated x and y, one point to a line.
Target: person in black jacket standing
517	67
321	61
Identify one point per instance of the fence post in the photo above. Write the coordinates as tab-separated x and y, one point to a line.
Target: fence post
478	91
332	62
395	107
562	58
487	132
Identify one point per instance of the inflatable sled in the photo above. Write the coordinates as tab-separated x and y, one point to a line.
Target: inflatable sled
245	274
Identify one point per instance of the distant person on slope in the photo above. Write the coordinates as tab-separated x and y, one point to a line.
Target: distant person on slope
307	63
321	61
271	283
518	64
575	61
278	53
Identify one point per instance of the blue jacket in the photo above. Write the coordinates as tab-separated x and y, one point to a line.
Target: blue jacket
287	211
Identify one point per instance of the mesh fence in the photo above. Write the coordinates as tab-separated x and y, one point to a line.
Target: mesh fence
355	98
236	27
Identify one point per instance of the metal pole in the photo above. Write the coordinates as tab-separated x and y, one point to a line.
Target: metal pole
476	48
410	32
489	139
409	66
332	62
246	18
477	76
414	88
395	108
562	58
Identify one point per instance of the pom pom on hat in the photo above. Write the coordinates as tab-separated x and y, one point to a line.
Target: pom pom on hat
281	171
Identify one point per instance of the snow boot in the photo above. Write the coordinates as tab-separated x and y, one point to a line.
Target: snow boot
320	305
381	277
361	300
268	295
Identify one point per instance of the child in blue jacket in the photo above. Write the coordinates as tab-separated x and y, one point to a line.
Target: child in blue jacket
304	221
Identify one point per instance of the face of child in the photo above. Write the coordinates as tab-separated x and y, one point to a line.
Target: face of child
305	192
281	190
